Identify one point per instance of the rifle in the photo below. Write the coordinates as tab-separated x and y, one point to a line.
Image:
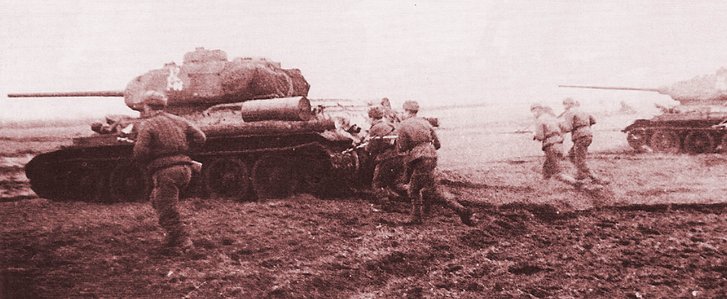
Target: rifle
365	143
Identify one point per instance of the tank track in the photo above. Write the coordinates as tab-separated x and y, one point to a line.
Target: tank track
239	167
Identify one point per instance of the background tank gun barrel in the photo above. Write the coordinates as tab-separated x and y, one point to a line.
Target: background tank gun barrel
685	92
659	90
702	90
108	93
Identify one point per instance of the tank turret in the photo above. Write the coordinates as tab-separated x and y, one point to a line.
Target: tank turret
204	79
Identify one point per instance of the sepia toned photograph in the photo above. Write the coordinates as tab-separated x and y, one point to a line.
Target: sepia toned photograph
363	149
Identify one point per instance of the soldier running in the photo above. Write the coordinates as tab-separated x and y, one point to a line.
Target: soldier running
389	166
419	142
548	131
579	123
162	144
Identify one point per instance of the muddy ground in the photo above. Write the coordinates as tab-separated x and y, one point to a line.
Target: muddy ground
659	232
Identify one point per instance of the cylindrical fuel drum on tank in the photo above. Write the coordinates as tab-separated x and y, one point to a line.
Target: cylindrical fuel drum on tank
293	109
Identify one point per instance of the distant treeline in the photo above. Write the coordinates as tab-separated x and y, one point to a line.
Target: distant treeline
30	124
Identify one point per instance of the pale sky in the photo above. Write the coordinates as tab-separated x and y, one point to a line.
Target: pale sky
437	52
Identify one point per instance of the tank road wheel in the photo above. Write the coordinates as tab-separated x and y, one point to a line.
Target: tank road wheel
128	182
272	177
314	175
91	185
63	185
699	142
637	139
226	177
82	183
665	141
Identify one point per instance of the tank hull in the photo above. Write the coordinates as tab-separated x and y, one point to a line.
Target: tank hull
679	133
243	166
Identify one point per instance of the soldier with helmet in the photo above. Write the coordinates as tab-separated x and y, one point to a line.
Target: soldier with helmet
162	144
418	141
548	131
389	113
578	123
380	146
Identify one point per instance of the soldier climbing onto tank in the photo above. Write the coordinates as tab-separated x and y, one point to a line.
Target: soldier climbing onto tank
548	131
380	145
578	123
162	144
419	143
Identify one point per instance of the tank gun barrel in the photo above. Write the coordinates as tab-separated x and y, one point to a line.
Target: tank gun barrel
659	90
109	93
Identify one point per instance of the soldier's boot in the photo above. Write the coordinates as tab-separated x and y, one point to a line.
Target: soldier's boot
599	180
578	184
178	240
416	214
393	193
427	201
465	215
381	195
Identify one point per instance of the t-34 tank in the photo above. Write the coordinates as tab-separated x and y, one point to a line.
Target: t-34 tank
264	138
695	126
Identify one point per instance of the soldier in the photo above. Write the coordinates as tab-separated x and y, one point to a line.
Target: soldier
419	142
381	147
579	123
389	113
162	144
548	131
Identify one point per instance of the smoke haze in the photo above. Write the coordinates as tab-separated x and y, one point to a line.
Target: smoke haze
437	52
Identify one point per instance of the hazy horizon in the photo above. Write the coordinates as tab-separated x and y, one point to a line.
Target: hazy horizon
436	52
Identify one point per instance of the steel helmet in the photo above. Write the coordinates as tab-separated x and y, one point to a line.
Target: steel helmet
154	98
376	112
411	106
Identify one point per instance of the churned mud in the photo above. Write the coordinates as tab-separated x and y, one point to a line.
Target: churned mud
659	230
307	247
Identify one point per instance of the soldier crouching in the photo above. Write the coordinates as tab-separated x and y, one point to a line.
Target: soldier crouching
162	144
418	139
